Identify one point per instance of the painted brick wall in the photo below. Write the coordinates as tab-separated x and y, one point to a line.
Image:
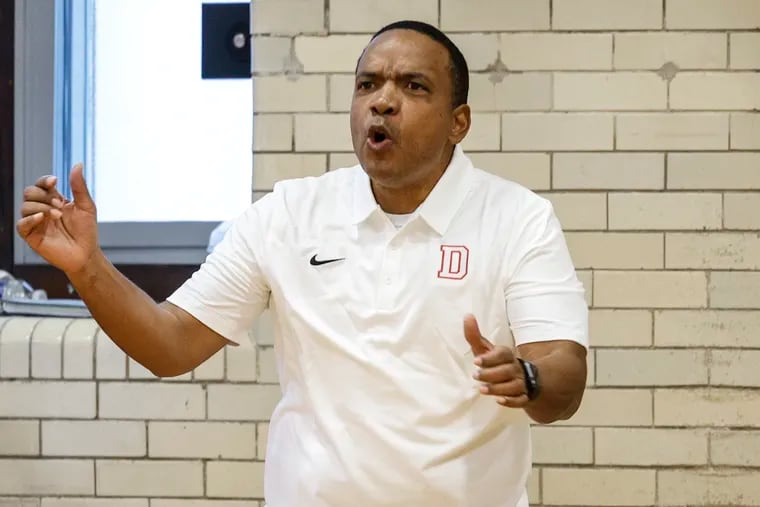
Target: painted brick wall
82	425
637	118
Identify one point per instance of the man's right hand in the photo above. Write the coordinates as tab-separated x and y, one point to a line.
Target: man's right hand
64	233
164	338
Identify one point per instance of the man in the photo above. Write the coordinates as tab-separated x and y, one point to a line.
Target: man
424	310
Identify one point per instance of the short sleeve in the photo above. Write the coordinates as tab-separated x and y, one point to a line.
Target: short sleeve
545	300
229	290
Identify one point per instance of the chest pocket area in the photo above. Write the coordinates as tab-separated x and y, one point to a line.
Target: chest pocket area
448	323
447	303
460	291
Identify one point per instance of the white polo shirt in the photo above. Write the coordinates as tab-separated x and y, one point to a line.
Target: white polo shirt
379	407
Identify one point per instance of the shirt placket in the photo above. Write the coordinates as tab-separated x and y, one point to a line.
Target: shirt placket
390	280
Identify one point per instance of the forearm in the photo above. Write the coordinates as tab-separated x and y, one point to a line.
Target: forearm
562	380
143	329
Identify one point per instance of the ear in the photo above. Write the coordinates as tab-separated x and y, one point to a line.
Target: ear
460	123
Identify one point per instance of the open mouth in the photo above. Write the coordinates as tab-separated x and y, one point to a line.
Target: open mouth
378	138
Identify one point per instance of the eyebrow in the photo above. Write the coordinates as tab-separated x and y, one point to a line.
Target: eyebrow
405	75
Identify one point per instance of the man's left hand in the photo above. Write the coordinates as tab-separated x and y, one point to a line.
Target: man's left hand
500	372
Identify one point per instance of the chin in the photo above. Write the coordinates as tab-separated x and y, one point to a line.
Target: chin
383	173
374	162
377	168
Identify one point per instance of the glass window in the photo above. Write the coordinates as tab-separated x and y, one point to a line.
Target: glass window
117	85
168	145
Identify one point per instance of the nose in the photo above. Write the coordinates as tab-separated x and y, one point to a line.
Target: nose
385	102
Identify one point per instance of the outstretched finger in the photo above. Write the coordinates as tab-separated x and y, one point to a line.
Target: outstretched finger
478	343
26	225
79	191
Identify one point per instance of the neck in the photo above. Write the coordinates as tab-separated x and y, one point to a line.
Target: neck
406	198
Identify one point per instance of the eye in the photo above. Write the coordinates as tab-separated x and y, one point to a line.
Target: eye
413	85
364	85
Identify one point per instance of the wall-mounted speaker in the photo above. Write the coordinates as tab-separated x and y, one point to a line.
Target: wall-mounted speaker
226	41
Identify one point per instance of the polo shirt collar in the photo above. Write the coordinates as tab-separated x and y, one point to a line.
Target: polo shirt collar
441	204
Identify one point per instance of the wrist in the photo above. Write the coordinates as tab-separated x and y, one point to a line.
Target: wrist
89	269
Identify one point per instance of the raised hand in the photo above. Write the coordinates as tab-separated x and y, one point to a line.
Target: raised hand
500	372
62	232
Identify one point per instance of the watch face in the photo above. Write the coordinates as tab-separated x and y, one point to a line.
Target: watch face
531	379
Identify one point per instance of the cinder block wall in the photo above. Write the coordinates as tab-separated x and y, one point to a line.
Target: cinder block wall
637	118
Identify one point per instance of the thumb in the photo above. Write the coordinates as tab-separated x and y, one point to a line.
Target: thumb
478	344
79	190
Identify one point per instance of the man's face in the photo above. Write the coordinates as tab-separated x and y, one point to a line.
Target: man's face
402	120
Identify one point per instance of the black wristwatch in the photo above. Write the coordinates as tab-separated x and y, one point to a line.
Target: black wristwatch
532	385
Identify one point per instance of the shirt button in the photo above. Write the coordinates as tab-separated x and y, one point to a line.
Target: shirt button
388	280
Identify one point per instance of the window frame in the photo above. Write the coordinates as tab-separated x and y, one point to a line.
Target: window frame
7	46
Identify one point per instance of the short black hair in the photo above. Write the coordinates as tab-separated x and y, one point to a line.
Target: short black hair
460	74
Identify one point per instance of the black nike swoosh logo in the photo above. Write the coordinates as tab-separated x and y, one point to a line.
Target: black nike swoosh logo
314	262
